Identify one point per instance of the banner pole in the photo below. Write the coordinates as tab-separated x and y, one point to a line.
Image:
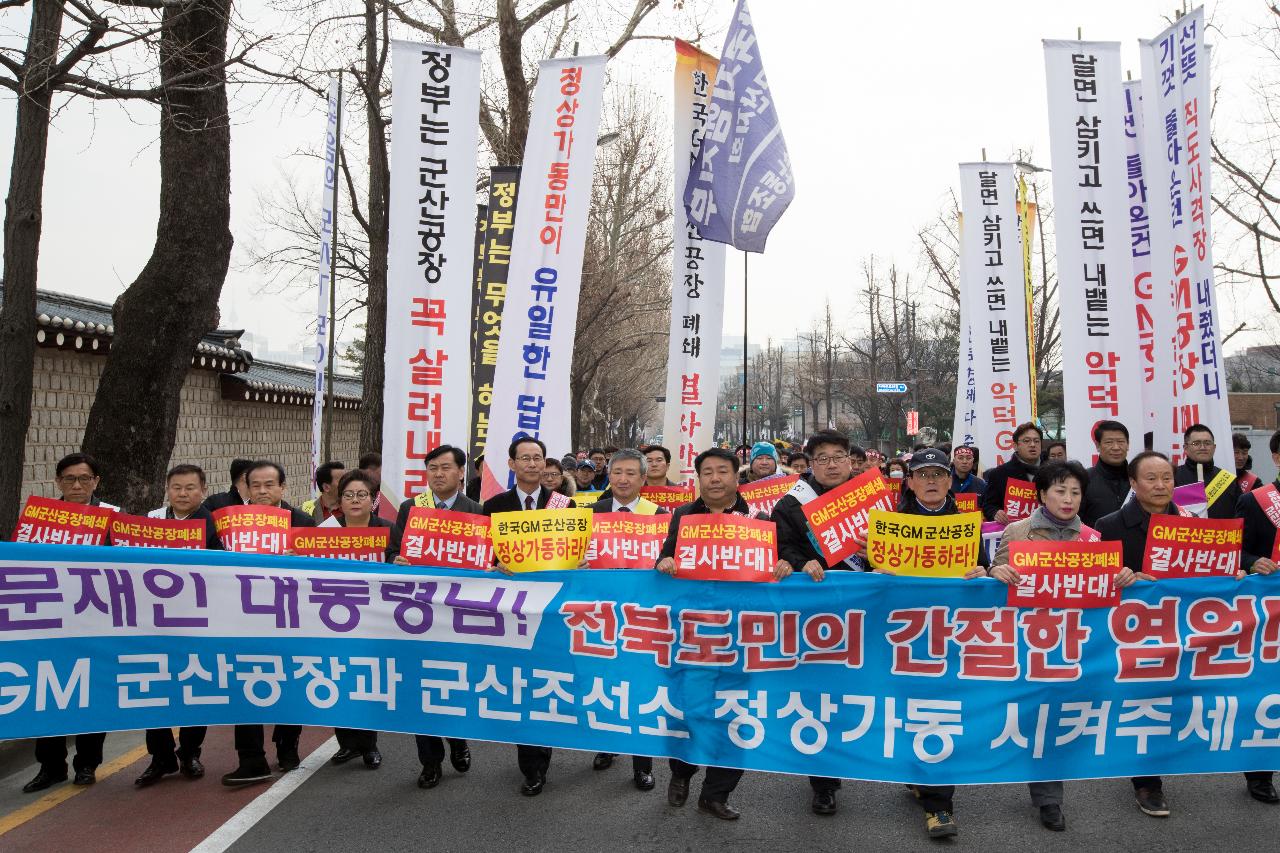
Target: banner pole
745	255
333	280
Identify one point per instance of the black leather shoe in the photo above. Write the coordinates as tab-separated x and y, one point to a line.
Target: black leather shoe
460	757
247	775
602	761
46	778
677	791
533	785
344	755
373	759
287	756
191	767
724	811
1151	801
429	777
85	776
643	780
824	802
154	773
1051	818
1264	792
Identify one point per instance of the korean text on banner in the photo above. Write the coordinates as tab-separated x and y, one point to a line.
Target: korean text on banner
1020	499
1065	574
724	547
367	544
966	501
625	540
1182	547
535	348
54	522
697	284
932	546
1176	104
839	518
252	529
1154	303
435	97
763	495
667	496
325	229
541	539
993	293
445	537
740	183
499	227
638	663
139	531
1101	362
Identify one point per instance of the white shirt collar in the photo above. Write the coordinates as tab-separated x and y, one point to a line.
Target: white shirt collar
631	507
535	494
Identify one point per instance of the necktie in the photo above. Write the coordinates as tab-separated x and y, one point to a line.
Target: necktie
528	501
623	509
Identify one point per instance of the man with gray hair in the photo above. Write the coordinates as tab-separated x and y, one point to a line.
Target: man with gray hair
627	469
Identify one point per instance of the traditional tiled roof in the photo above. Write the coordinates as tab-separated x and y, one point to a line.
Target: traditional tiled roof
85	325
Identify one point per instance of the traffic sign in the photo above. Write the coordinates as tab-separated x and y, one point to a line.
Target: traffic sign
891	387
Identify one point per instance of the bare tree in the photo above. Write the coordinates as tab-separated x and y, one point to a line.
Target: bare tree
621	336
162	315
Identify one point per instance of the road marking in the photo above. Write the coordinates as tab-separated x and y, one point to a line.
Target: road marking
245	819
15	819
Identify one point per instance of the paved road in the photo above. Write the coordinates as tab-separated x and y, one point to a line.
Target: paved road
351	808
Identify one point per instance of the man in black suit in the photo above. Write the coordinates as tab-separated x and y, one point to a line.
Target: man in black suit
266	488
446	468
238	493
527	457
628	470
1022	466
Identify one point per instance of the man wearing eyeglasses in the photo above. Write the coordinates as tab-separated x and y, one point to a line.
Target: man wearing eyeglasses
527	458
832	466
446	468
1221	488
77	479
1021	466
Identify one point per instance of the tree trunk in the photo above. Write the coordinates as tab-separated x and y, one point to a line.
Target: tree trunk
511	54
375	341
161	317
22	221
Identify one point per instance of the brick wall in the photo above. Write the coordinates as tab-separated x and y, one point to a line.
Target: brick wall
211	431
1256	409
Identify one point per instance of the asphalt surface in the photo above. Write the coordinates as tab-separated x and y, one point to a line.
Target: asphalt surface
351	808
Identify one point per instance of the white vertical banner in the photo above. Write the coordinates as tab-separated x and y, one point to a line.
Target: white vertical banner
1154	303
964	427
435	105
1101	364
993	290
535	348
1176	109
697	284
327	214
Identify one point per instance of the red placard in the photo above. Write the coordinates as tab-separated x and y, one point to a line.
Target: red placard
667	496
625	540
367	544
895	488
54	522
1088	534
1020	499
720	547
446	538
1065	574
252	529
841	516
139	531
966	501
1181	547
763	495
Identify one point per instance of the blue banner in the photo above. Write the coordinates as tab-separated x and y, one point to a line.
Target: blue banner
740	182
861	676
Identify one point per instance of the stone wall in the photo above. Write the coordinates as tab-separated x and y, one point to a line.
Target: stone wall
211	431
1258	410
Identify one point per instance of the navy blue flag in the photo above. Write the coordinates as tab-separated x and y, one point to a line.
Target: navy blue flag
741	181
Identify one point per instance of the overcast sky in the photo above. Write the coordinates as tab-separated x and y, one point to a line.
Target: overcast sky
879	103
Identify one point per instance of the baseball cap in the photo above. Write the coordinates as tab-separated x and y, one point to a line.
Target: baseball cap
930	457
